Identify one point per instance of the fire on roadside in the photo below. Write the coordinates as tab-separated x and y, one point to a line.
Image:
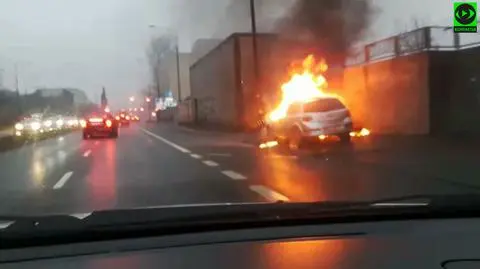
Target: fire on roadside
305	83
269	144
363	132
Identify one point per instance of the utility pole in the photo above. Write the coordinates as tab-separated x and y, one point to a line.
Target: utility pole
157	74
254	39
256	68
177	52
1	78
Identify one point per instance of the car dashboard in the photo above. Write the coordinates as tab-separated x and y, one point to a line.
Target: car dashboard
451	243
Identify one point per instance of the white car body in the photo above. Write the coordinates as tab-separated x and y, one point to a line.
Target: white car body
314	118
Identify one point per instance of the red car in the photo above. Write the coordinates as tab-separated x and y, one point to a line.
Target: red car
99	125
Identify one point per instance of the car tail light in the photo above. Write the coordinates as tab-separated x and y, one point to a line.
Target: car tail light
307	118
117	118
127	117
83	123
95	120
108	123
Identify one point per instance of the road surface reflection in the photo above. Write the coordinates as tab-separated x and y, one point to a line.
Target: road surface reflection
101	179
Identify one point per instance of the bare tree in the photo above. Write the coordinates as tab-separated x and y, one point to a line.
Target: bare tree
156	53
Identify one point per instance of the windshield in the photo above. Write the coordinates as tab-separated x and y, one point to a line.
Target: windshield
111	104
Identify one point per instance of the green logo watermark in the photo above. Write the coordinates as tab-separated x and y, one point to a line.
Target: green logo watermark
465	17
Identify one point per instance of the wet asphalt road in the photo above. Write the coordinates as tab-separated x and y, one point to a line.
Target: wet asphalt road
154	165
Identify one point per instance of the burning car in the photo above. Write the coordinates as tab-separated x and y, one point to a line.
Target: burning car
307	110
313	119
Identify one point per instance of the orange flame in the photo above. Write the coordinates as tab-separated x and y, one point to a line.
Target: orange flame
304	84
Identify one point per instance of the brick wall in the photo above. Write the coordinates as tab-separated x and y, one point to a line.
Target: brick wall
390	96
455	91
213	84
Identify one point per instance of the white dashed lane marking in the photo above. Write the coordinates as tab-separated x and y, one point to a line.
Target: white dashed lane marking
220	154
268	193
87	153
63	180
173	145
210	163
195	156
234	175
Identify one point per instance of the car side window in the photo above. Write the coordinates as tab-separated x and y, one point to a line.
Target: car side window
294	109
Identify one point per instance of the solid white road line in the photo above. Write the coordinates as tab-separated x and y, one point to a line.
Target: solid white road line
195	156
234	175
175	146
63	180
210	163
269	194
87	153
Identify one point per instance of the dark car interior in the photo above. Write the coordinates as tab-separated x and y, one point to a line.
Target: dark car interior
428	243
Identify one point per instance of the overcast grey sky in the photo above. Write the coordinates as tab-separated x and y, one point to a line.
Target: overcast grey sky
88	44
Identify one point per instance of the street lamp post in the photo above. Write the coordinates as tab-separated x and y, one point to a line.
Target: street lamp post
179	86
17	90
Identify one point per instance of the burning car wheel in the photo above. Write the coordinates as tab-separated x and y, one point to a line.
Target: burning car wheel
345	138
294	139
114	134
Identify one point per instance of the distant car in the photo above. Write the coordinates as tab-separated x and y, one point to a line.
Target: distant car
71	122
98	125
29	127
58	122
154	115
134	118
312	119
123	119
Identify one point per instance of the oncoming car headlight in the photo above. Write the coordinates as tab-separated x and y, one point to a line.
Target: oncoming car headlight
19	126
47	123
59	123
35	126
